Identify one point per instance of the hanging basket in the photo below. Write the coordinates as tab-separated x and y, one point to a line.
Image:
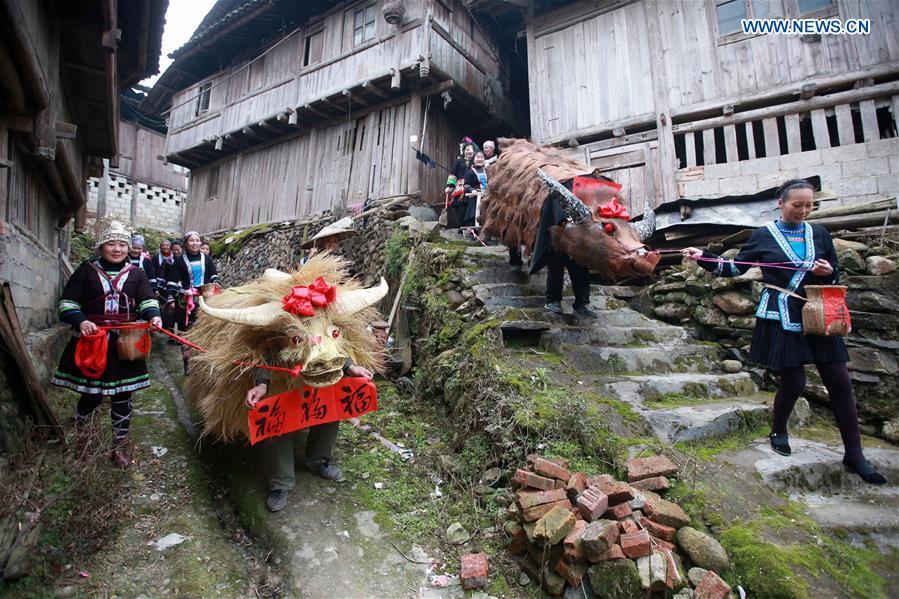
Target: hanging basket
825	311
393	12
134	343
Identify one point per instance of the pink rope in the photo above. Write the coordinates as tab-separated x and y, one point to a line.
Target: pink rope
761	264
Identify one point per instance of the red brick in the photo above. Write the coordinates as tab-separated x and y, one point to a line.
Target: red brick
598	480
572	573
657	465
474	570
658	530
517	538
528	499
576	485
529	479
560	484
711	587
660	544
636	545
629	527
574	547
554	526
550	469
673	578
618	492
532	457
656	483
666	512
598	537
613	552
592	503
617	512
538	511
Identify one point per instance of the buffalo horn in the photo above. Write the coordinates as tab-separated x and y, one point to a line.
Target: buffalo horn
350	302
573	208
647	226
256	316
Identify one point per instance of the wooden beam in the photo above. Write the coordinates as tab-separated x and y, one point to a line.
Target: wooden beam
772	138
794	137
750	141
356	100
846	97
819	129
374	89
248	132
870	128
844	124
17	35
690	146
708	147
317	113
666	155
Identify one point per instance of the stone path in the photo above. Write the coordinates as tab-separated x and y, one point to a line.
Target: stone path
676	385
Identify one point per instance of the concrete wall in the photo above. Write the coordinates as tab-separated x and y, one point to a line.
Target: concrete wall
855	173
157	207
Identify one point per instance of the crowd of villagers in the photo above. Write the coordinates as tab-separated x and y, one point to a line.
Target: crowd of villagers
110	300
467	181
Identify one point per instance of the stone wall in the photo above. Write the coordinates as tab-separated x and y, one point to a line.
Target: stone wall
157	207
722	310
32	269
855	173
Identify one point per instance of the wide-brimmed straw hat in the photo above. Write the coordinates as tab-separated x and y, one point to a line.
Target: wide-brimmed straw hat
340	229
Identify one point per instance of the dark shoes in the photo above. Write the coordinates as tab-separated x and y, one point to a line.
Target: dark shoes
585	312
865	470
276	500
780	443
327	471
554	307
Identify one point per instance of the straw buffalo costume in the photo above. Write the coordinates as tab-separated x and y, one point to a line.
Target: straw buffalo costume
778	341
105	293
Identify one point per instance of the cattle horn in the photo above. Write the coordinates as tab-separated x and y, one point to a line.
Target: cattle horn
351	302
256	316
646	227
573	208
273	275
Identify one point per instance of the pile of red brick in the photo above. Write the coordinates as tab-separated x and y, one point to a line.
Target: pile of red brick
566	525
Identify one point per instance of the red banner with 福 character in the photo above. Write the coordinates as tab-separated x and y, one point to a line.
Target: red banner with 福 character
295	410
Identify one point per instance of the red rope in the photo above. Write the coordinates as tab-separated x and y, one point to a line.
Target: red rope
293	372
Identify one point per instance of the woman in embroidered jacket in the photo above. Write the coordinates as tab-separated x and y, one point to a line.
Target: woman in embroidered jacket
190	270
778	341
107	289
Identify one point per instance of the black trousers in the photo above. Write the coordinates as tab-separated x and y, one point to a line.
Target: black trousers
555	279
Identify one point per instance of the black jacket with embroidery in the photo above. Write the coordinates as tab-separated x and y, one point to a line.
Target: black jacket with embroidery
768	244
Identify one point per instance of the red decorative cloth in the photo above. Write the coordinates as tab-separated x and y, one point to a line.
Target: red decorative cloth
302	299
612	209
90	354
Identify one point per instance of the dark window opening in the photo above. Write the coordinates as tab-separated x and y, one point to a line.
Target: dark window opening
380	124
833	131
720	151
205	91
806	133
811	6
312	48
857	124
885	124
782	135
680	150
758	138
700	149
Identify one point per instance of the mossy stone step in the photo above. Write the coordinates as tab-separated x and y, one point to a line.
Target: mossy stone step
630	360
706	420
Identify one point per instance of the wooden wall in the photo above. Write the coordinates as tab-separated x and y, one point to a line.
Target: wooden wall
138	151
597	54
339	165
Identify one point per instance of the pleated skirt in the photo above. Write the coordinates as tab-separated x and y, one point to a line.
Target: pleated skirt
775	348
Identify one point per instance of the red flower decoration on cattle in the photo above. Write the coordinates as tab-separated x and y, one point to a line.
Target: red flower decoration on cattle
303	299
612	209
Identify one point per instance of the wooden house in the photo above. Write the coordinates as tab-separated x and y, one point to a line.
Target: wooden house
140	190
62	65
284	108
670	98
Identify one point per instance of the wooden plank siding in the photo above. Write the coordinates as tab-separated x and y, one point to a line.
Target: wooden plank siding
332	167
138	151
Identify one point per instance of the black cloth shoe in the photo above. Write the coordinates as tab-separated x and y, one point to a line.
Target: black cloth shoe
554	307
780	443
327	471
585	312
276	500
865	470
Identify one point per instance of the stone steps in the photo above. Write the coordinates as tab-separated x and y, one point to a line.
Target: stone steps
655	359
707	420
619	335
849	503
635	390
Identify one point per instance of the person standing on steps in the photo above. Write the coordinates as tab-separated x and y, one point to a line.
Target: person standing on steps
778	341
106	291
